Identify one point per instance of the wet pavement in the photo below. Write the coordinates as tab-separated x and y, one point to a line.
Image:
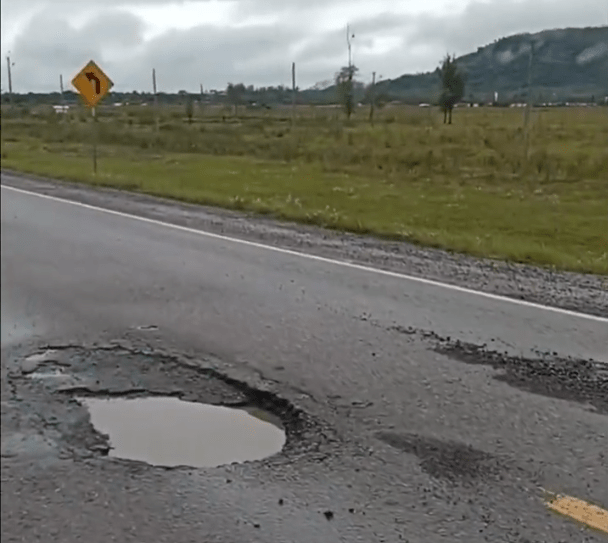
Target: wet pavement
411	412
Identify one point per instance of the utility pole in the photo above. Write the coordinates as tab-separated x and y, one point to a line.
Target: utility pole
372	98
63	110
528	105
61	88
348	37
10	81
350	105
293	94
202	99
155	98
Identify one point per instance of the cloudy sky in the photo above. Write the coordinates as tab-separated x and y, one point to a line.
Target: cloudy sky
214	42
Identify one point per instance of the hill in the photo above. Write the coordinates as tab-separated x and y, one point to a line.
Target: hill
568	64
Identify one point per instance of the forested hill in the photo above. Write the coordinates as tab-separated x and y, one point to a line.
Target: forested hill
567	63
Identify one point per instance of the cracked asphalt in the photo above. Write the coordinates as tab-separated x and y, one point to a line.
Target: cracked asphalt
414	411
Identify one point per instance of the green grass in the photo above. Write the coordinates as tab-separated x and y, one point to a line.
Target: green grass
464	187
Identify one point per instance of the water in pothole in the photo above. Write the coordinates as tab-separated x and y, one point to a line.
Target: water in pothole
165	431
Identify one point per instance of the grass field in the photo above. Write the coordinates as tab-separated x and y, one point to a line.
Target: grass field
467	187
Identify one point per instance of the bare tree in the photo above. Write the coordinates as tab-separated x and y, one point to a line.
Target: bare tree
452	86
234	94
344	87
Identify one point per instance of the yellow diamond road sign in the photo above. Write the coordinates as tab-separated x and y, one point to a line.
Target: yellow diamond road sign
92	83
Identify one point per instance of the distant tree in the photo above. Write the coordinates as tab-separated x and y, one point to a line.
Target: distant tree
322	85
234	95
381	100
344	87
189	108
452	86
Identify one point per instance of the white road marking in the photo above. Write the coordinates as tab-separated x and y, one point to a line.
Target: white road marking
351	265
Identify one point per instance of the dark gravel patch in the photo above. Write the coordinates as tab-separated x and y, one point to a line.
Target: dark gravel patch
449	460
583	381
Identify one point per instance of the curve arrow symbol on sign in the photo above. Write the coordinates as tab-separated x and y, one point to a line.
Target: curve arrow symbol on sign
91	76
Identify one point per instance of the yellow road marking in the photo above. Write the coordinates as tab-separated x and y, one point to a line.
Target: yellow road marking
581	511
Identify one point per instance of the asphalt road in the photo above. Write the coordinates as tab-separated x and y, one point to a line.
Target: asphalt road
416	410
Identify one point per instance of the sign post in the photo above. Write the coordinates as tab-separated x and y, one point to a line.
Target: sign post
94	142
92	84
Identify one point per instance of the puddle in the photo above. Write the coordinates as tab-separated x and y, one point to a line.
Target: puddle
170	432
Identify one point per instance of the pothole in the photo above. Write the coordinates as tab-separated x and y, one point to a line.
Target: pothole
167	431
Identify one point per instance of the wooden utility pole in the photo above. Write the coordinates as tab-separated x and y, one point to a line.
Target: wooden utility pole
349	45
372	98
10	81
202	99
528	105
350	98
155	98
293	93
63	110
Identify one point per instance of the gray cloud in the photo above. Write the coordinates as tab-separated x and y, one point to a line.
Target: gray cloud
483	22
261	54
215	56
49	46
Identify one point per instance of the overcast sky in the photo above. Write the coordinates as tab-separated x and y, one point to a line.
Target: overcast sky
214	42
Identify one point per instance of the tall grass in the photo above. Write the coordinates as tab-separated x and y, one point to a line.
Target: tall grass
467	186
